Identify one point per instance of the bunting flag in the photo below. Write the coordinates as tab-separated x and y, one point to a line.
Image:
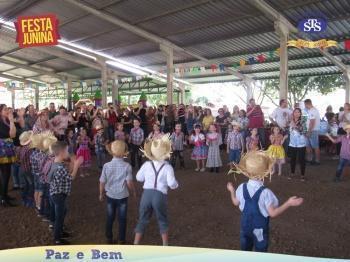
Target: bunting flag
202	69
261	58
251	60
271	54
278	51
213	67
177	71
242	62
347	44
222	67
235	65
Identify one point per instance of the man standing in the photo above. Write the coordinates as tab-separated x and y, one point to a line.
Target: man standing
256	120
52	111
281	117
313	127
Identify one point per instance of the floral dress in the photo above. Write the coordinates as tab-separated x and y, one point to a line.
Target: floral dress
84	152
214	140
200	150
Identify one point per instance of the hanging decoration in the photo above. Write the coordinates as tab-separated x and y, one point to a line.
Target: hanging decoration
221	67
242	63
347	44
213	67
251	60
76	97
98	98
261	58
143	99
300	43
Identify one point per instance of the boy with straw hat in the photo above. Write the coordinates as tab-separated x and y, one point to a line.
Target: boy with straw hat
23	154
115	182
157	175
256	202
344	152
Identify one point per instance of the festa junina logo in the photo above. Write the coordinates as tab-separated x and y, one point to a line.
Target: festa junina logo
312	25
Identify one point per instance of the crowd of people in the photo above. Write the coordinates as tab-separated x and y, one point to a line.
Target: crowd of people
35	146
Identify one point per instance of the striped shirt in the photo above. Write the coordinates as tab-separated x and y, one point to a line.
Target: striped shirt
235	140
136	136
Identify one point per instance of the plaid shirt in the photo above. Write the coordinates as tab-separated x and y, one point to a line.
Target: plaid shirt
37	159
23	154
99	143
136	136
59	179
235	140
177	141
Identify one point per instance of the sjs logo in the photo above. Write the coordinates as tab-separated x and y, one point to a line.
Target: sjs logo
312	25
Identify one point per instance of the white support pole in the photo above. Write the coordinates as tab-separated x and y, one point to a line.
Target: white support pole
170	72
182	95
347	85
13	97
249	89
104	80
68	87
36	97
115	92
283	31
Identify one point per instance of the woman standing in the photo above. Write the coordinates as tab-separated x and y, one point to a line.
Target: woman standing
208	119
235	113
190	119
297	143
42	123
7	152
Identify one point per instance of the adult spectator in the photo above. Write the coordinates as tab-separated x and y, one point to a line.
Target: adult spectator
243	121
208	119
226	111
30	118
112	119
297	143
313	128
7	152
281	117
256	120
60	123
221	121
42	124
169	119
190	119
181	118
52	111
329	111
235	113
344	118
127	121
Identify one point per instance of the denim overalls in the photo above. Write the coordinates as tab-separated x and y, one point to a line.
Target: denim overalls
254	226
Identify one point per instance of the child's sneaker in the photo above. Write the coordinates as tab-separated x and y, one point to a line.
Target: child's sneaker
202	170
197	169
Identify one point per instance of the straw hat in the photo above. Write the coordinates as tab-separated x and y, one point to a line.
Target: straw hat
38	139
347	127
99	127
117	148
25	138
48	142
255	165
158	149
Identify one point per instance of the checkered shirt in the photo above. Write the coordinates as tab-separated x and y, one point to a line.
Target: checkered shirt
59	179
37	159
136	136
23	154
177	141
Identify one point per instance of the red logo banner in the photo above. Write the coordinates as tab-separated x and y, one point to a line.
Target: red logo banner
41	30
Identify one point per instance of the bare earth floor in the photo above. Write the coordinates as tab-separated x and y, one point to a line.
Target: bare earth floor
201	214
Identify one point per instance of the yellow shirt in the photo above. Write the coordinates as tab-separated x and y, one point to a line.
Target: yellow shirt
207	121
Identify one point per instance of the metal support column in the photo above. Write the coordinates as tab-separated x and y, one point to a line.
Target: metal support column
36	97
283	32
104	80
115	92
13	97
249	89
170	72
68	87
182	95
347	85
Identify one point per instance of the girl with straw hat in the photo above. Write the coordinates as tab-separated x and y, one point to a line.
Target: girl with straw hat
157	175
256	202
115	183
344	151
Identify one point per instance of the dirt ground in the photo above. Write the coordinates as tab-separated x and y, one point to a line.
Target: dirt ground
201	214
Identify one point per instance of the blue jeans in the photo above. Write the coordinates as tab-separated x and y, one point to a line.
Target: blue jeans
27	181
59	206
45	202
15	174
113	205
100	157
111	131
341	165
235	155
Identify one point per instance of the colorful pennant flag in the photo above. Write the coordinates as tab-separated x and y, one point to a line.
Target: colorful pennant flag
242	62
347	44
261	58
222	67
213	67
251	60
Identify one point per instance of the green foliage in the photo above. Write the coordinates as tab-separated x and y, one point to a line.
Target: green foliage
300	87
76	97
98	94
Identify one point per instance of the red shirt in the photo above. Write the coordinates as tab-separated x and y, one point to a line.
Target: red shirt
112	119
256	118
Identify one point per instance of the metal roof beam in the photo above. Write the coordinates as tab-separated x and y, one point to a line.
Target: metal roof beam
277	16
143	33
18	8
63	76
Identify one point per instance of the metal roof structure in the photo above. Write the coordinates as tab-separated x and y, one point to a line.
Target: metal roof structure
220	31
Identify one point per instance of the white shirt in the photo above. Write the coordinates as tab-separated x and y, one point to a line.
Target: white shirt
345	119
166	177
281	116
267	197
313	113
296	139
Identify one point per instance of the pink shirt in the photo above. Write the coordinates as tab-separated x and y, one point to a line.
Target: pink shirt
345	146
256	118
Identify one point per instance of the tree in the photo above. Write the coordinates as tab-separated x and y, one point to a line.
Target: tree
300	87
